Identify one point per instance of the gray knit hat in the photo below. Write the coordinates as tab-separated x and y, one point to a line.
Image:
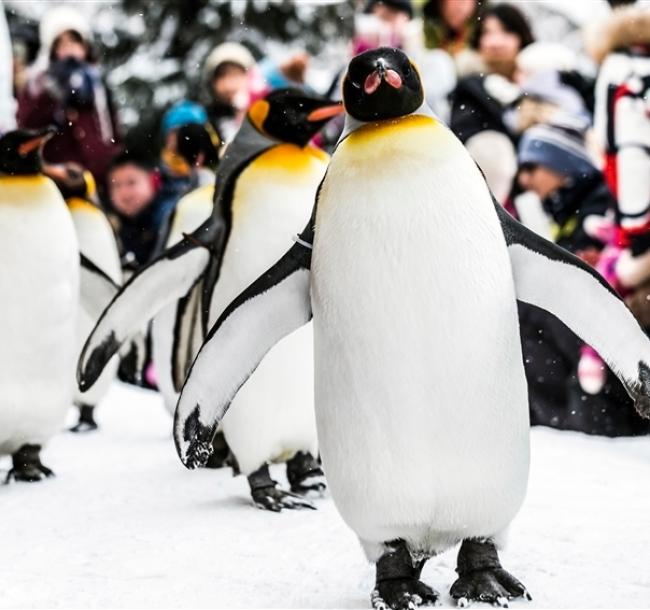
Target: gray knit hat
557	147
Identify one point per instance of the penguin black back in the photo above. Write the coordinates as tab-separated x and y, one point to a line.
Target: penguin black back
20	151
381	84
289	115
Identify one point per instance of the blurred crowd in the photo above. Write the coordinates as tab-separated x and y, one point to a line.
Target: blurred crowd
561	134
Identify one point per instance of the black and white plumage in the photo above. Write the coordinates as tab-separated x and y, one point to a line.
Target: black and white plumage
421	400
266	184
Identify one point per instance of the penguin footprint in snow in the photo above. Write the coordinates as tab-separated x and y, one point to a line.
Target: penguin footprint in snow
403	594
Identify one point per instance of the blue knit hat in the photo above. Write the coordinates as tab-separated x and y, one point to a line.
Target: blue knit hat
183	113
557	147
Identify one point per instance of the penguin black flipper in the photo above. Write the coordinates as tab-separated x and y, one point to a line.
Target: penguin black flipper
555	280
271	308
97	289
167	278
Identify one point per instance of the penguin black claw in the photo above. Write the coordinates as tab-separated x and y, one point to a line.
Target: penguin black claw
481	577
305	475
492	586
403	594
275	499
267	495
27	466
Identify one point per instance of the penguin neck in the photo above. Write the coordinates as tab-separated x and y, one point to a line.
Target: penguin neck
352	124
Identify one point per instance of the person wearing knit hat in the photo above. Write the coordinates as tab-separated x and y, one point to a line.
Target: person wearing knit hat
556	150
229	75
554	163
66	89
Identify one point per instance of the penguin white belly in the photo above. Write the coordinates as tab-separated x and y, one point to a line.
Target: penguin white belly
39	284
272	416
97	242
420	390
191	211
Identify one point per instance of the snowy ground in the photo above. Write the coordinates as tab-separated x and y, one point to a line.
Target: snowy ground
124	525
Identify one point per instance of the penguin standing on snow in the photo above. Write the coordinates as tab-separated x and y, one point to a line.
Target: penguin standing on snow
39	284
265	187
408	382
98	245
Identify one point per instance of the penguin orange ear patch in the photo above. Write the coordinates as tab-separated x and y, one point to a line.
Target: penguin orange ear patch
258	113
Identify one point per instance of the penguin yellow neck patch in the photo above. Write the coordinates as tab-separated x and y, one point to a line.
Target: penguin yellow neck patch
77	204
393	127
291	158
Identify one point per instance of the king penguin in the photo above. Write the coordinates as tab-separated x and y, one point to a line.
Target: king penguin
265	186
39	284
98	245
421	399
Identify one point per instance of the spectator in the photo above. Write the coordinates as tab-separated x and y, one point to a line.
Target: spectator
449	24
480	100
383	23
554	163
177	175
134	210
7	102
621	45
227	72
69	93
290	72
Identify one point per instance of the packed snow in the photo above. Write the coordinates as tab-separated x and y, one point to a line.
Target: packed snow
123	524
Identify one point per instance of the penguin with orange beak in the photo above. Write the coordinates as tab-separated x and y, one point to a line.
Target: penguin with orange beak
265	186
39	283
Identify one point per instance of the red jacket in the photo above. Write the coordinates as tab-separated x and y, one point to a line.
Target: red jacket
88	136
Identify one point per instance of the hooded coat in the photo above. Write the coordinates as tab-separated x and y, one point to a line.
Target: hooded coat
86	122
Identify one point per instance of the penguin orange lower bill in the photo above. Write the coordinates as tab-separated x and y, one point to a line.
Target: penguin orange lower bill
326	112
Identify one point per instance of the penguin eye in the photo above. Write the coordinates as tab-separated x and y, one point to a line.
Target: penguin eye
407	71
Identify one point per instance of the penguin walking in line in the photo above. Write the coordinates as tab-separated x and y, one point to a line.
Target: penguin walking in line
265	186
39	284
98	245
408	382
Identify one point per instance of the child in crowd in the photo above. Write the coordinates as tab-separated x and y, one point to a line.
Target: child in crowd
134	188
554	163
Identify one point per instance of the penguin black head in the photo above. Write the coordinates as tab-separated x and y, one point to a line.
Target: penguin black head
20	150
381	84
292	116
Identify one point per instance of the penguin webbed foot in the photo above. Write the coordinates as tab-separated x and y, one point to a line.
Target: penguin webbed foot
27	466
268	496
398	585
86	421
305	475
481	577
402	594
